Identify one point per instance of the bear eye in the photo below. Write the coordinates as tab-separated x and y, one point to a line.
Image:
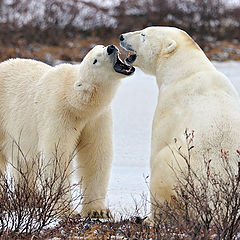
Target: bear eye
95	61
142	34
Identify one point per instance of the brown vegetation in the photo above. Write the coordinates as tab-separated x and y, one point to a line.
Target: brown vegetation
66	30
30	200
207	206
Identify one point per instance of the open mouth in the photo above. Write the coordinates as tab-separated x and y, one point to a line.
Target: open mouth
131	57
123	68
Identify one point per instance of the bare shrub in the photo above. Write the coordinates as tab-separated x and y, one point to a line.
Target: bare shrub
207	202
31	200
48	21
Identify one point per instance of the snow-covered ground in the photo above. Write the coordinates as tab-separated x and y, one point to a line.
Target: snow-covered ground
133	109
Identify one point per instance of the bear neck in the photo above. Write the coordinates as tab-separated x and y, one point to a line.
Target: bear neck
101	95
104	93
181	65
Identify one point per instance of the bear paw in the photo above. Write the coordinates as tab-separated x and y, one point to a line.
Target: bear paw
94	213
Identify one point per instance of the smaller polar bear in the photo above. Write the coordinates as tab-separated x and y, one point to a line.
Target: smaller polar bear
65	106
192	95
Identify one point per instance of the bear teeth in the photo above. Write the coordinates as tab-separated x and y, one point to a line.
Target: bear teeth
129	54
129	69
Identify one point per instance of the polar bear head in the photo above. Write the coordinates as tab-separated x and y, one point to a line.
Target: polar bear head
153	44
99	75
102	64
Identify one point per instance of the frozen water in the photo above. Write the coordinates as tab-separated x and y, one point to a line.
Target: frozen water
133	109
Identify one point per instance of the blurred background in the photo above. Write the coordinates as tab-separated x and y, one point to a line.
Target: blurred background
65	30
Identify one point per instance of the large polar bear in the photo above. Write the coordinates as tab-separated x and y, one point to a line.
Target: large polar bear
65	106
193	95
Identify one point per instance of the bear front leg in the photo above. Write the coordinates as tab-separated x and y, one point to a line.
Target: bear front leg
95	153
57	166
3	162
164	167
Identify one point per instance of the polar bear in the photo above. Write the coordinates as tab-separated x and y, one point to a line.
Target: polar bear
193	95
68	106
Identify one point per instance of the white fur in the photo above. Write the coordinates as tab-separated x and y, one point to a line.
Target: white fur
67	105
192	95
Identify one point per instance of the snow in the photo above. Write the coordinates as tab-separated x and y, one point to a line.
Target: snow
133	109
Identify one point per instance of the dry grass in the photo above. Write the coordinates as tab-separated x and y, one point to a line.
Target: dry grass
75	50
207	206
30	200
207	203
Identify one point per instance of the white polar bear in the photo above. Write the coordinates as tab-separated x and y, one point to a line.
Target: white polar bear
67	106
192	95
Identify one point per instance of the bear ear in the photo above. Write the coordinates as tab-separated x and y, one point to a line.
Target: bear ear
171	46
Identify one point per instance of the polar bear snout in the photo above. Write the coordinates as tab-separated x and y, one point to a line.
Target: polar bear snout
127	46
125	42
132	56
111	49
121	37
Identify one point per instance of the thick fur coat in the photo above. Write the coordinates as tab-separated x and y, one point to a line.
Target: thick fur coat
193	95
67	106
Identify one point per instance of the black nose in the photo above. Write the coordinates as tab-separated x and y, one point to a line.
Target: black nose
121	37
111	49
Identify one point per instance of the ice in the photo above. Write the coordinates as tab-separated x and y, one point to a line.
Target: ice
133	109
